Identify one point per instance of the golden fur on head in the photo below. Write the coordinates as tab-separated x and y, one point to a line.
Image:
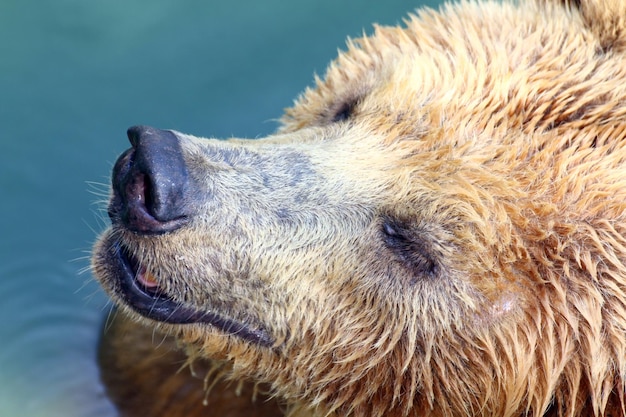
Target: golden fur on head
438	228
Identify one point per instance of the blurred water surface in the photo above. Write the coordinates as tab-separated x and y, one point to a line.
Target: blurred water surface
73	76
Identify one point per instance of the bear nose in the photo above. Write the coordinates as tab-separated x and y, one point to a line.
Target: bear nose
150	183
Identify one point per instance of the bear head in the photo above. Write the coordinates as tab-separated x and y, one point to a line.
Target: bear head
437	228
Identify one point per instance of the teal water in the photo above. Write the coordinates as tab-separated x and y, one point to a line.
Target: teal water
73	76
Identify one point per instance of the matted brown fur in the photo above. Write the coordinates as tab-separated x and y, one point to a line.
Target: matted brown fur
437	229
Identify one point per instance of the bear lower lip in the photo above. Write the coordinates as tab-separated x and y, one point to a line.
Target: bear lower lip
150	301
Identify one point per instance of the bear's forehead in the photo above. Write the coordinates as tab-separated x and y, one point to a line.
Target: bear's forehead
464	63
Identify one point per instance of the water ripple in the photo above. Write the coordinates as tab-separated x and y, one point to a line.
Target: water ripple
49	333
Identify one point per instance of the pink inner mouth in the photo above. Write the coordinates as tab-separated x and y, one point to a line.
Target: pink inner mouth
146	279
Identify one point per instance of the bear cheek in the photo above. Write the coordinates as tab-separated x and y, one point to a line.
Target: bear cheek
427	261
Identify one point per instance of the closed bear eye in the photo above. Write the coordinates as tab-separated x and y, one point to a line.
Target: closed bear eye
344	111
411	247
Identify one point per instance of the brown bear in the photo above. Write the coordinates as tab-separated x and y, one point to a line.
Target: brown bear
438	228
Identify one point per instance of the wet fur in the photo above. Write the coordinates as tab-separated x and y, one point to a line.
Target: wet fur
494	138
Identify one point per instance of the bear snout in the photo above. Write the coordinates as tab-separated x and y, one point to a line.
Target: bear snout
150	183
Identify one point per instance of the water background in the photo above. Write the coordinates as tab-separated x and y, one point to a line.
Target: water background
74	74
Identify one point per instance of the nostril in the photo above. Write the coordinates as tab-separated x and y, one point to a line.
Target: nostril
140	189
136	191
150	183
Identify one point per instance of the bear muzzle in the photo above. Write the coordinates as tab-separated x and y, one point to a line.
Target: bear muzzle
152	195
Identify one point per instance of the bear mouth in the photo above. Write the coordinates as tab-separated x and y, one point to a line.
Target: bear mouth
138	289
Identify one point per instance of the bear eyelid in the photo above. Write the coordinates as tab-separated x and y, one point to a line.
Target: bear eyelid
345	111
389	230
411	248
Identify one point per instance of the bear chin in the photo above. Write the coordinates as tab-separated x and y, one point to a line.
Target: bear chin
129	283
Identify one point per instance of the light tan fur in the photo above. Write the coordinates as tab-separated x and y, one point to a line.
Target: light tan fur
497	132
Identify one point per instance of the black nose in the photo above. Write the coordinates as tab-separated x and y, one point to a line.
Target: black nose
150	183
